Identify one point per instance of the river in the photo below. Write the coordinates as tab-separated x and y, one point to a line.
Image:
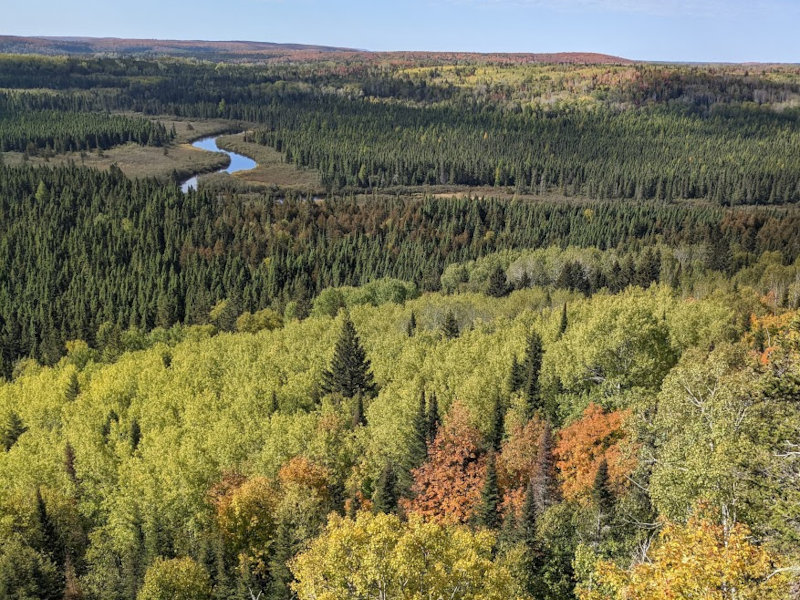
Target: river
239	162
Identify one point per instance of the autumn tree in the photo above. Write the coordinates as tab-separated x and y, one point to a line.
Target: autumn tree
349	372
381	556
245	515
447	487
701	559
582	446
517	461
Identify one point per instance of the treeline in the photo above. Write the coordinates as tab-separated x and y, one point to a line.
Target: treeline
733	156
56	131
80	248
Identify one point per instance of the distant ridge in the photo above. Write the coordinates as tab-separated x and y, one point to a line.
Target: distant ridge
242	50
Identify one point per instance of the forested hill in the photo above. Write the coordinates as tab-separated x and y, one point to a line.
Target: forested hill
233	50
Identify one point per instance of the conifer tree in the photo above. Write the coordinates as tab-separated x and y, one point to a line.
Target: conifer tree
450	328
50	541
516	376
135	435
601	490
543	482
497	283
283	551
385	498
603	499
411	328
69	464
534	557
418	446
12	428
73	388
562	327
532	369
432	425
349	372
488	514
497	425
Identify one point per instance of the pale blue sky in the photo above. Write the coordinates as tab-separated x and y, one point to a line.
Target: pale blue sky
670	30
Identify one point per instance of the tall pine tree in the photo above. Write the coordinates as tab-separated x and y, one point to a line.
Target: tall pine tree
488	514
532	369
349	372
385	498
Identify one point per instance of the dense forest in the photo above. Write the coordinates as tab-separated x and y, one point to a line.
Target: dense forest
538	340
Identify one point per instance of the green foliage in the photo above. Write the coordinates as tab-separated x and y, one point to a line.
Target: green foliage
175	579
26	574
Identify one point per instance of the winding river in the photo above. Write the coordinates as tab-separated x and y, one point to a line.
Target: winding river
239	162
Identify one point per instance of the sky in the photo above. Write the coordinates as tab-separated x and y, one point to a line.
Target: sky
662	30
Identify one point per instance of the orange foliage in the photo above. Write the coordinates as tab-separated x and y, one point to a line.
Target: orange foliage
245	516
584	444
516	463
447	487
300	472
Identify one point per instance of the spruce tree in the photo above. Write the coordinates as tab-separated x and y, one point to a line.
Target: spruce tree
562	326
349	372
488	514
69	464
12	428
532	369
516	376
601	490
543	482
534	557
385	498
450	326
418	445
283	551
73	388
135	435
50	541
432	425
497	425
497	283
411	327
603	499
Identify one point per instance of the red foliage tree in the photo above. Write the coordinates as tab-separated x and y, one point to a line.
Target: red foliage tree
447	486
